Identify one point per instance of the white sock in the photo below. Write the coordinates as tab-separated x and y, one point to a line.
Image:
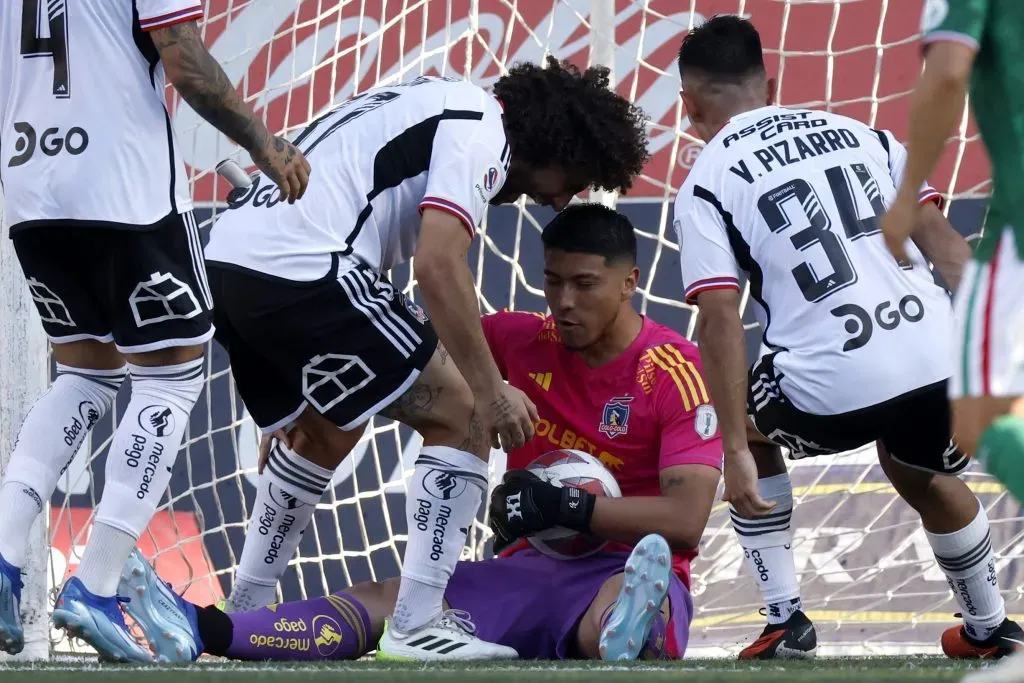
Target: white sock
286	497
107	545
444	497
52	433
767	547
969	564
142	453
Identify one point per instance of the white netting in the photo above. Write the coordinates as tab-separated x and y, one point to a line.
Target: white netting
867	573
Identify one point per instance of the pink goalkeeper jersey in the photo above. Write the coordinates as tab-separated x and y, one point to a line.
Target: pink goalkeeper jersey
644	411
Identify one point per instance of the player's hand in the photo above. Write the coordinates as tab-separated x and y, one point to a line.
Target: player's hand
523	504
266	441
282	162
500	541
511	415
741	489
897	226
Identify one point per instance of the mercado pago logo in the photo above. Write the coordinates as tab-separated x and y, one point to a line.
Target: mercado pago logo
297	59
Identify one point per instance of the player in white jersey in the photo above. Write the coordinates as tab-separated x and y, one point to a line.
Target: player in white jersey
855	344
319	339
97	207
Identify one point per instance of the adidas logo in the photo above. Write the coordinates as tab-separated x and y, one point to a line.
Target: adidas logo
443	646
542	378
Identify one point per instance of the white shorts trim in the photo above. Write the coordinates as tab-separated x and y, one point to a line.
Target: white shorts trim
167	343
106	338
383	403
989	311
283	422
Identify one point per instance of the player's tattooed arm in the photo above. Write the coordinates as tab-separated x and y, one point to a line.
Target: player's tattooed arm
449	295
668	483
202	83
679	514
208	90
501	407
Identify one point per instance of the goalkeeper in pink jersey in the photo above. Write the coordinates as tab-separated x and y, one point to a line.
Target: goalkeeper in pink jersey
605	380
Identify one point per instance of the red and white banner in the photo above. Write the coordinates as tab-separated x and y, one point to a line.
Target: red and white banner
173	538
295	59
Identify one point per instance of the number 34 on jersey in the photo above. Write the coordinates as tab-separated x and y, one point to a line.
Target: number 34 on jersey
792	199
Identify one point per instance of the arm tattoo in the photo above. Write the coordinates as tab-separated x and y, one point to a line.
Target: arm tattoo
670	482
443	353
202	83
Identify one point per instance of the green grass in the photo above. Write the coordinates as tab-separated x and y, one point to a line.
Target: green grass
830	670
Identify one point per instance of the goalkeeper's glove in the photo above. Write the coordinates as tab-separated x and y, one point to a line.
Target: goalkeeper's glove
523	504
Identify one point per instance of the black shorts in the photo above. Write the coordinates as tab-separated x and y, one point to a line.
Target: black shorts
142	288
915	428
349	345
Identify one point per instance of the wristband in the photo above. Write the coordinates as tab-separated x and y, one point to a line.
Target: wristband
577	507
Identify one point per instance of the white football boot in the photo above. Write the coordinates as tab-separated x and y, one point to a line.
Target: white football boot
448	638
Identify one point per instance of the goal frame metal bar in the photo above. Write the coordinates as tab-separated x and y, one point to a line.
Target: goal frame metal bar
24	375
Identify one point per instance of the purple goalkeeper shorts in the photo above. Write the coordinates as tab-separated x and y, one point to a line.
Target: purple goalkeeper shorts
533	603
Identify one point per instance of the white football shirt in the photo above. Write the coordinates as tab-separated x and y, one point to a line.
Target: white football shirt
793	198
84	131
378	160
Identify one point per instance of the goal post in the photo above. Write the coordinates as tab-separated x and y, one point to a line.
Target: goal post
24	366
867	574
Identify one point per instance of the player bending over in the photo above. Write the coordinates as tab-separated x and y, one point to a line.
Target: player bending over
856	344
318	338
979	42
594	364
98	209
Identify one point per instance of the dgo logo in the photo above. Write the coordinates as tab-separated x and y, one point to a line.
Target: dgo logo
51	143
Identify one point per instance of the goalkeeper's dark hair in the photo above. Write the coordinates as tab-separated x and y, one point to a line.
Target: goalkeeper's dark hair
559	116
724	49
592	229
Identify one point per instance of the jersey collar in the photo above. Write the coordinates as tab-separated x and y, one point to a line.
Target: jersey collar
740	117
747	114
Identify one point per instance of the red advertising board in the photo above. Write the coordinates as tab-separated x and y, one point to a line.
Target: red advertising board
173	538
294	59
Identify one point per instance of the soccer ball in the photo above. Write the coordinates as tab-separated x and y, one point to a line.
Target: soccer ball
582	470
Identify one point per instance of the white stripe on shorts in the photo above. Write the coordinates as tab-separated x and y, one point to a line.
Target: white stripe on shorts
198	264
368	287
380	317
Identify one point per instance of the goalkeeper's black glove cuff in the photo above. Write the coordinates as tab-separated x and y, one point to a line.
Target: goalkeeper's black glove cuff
576	507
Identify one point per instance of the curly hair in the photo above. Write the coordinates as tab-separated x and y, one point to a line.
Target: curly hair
559	116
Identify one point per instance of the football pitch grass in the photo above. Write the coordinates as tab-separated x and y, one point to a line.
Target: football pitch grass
826	670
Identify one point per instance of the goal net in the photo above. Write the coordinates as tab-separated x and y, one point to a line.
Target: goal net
867	573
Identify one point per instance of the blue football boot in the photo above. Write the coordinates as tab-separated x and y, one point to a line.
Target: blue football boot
168	622
645	584
98	621
12	635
